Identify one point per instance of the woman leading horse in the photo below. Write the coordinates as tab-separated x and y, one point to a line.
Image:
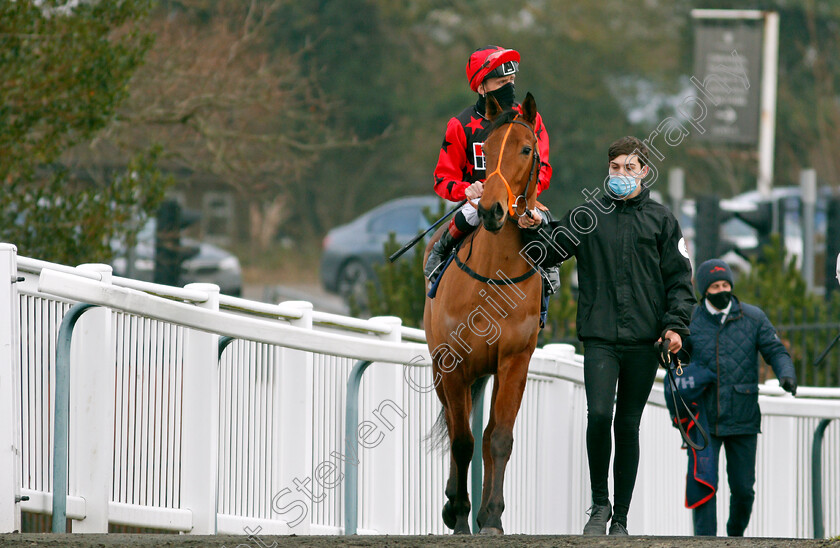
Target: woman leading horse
484	318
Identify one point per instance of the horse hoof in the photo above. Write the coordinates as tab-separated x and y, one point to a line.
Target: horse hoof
491	531
481	518
448	514
463	529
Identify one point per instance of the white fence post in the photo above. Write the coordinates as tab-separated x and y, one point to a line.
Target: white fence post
380	438
200	420
91	451
292	466
556	447
9	390
776	477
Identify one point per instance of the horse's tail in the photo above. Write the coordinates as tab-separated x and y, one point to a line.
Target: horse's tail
439	433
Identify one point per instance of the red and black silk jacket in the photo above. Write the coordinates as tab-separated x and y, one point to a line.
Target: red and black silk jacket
461	161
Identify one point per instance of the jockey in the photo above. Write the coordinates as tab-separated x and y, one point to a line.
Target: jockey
461	170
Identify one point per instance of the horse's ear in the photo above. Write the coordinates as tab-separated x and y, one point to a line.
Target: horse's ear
492	107
529	108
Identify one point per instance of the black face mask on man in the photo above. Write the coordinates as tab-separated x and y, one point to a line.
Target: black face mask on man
504	95
719	300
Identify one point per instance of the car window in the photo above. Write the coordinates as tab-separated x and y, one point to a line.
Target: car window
793	221
737	227
402	220
435	212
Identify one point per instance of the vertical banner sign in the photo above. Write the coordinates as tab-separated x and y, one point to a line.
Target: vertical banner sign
727	76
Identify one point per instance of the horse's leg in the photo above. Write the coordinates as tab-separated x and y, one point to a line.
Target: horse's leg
513	372
461	449
448	513
487	457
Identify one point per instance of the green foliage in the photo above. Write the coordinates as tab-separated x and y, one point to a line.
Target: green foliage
72	223
65	73
774	282
401	287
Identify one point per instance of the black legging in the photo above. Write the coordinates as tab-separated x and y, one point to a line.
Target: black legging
633	368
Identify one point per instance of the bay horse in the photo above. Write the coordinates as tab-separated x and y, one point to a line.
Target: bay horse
484	319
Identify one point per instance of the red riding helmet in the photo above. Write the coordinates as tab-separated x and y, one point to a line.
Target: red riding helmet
491	62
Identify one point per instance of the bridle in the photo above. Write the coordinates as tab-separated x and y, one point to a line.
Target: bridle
513	201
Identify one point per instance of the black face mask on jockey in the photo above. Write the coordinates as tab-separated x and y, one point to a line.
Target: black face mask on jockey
719	300
504	95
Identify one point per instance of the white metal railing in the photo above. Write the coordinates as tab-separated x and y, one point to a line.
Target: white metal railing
190	442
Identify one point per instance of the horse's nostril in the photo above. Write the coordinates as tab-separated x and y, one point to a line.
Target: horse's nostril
498	211
492	216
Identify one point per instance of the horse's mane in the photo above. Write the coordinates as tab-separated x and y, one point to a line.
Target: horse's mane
505	117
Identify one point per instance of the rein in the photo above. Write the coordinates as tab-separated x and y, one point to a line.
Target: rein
484	279
513	201
493	281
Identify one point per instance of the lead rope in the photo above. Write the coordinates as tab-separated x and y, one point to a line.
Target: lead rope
673	368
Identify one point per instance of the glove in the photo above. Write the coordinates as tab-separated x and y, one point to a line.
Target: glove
789	384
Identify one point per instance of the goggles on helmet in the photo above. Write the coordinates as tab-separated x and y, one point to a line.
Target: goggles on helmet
505	69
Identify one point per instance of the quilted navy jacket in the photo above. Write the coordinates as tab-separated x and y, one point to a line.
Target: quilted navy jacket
731	351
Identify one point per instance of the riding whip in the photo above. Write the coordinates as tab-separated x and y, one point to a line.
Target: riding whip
396	255
825	352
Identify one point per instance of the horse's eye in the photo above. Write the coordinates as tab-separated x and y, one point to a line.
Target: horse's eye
526	150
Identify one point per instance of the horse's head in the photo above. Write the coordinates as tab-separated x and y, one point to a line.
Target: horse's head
512	160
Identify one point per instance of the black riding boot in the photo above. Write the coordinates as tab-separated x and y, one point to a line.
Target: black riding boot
438	255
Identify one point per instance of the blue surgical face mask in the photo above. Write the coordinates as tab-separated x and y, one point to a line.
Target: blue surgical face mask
622	185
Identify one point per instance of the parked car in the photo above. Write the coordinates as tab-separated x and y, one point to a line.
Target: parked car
790	199
351	250
734	230
211	264
745	238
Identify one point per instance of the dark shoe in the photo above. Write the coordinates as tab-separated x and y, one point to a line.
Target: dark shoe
437	256
618	528
598	518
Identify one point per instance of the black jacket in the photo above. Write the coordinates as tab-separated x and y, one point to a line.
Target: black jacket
730	351
634	275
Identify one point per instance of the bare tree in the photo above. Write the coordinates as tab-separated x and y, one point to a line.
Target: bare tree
820	55
225	101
